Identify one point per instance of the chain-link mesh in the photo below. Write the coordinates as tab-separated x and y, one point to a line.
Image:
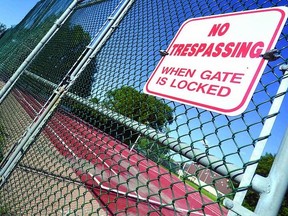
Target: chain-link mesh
110	149
18	42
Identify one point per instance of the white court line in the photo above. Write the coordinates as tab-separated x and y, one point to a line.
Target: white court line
145	166
83	144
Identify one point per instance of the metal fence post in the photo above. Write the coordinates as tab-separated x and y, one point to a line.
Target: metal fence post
259	147
13	79
270	202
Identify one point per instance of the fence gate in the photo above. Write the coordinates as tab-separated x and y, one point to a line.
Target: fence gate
79	137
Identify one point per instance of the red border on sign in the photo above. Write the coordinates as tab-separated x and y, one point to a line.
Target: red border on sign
250	87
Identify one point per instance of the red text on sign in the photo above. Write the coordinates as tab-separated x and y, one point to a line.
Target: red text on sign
222	76
231	49
219	29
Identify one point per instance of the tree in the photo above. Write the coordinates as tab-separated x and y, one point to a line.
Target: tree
2	29
263	169
141	107
17	43
60	54
154	151
145	109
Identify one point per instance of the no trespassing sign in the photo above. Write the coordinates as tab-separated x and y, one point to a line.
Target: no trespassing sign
214	62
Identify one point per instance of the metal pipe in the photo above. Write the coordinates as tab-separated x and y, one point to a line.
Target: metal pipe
270	202
260	145
24	142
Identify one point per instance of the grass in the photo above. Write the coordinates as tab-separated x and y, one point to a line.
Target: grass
201	190
4	210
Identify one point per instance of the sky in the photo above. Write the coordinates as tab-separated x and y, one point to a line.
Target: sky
13	11
231	135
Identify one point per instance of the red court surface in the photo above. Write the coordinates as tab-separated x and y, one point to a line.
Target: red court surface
122	181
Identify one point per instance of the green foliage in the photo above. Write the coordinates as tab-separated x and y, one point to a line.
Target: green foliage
153	150
60	54
252	197
4	211
145	109
2	29
16	44
265	164
86	113
140	107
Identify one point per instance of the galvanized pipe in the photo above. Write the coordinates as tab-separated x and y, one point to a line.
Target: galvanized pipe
259	147
270	202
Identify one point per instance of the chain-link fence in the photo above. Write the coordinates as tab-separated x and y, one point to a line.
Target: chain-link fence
106	148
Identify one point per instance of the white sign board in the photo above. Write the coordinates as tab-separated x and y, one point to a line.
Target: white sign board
214	62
